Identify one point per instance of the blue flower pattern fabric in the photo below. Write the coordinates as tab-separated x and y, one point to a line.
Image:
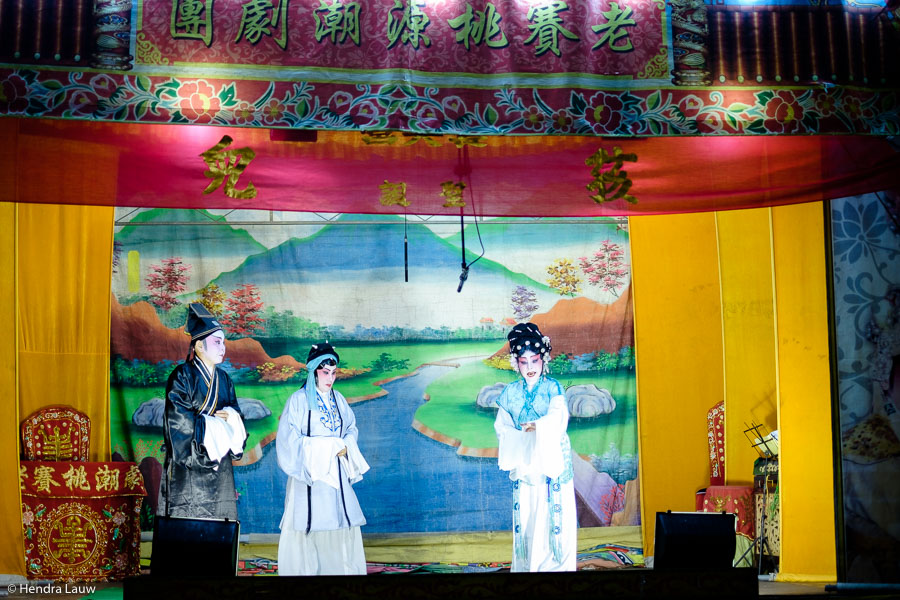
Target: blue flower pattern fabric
331	417
528	406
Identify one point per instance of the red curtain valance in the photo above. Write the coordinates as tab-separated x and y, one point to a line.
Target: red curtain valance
72	162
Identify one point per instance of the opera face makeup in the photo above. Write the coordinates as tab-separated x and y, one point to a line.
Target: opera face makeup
530	367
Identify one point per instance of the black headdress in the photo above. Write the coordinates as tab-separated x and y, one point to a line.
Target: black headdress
527	336
200	323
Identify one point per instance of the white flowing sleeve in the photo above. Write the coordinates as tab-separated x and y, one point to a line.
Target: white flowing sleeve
289	439
548	456
308	459
515	445
354	462
221	436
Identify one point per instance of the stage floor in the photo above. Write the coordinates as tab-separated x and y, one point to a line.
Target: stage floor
394	586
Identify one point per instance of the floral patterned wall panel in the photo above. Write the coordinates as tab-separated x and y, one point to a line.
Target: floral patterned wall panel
866	244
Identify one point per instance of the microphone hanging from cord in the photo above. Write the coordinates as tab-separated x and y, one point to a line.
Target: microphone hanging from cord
465	169
465	268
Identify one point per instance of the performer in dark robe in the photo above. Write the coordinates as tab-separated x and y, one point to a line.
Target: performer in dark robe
202	427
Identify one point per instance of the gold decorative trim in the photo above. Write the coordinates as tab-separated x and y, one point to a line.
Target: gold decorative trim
71	539
147	53
657	67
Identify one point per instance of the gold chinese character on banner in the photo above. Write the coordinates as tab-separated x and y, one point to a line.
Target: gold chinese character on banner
107	479
338	21
43	478
453	192
73	544
226	166
546	27
393	194
379	138
610	180
616	20
414	139
460	141
408	27
261	17
23	475
479	27
133	478
58	446
192	19
76	478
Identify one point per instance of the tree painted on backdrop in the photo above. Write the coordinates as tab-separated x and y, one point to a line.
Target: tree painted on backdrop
116	255
606	267
213	298
139	373
524	302
244	307
167	280
270	372
286	325
613	361
610	503
386	362
564	277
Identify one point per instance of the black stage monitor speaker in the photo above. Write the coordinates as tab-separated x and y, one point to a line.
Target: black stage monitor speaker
694	540
184	547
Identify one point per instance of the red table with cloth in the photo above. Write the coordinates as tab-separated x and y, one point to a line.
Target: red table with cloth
81	520
737	499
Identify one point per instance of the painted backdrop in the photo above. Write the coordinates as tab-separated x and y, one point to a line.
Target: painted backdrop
420	361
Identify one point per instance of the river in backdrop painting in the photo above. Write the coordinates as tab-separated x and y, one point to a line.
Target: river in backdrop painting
420	362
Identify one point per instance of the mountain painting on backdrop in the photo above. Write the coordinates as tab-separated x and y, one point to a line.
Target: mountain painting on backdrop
421	362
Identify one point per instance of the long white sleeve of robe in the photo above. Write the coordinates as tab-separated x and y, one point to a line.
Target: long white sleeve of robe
312	459
221	436
319	460
312	462
529	456
319	495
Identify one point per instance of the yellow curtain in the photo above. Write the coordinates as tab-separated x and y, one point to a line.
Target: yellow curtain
64	260
748	333
678	344
55	296
733	305
13	551
806	477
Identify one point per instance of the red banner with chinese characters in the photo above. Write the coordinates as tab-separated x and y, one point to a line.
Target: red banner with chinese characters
171	166
81	519
486	41
478	67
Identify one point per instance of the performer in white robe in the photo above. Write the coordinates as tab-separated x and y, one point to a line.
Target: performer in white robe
317	448
535	449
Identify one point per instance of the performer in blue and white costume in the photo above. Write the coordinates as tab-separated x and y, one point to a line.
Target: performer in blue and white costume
317	448
535	449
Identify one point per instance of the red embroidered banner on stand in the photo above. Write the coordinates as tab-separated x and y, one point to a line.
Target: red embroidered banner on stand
81	519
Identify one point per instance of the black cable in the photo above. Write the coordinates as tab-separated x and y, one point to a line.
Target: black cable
405	252
464	274
472	200
465	169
